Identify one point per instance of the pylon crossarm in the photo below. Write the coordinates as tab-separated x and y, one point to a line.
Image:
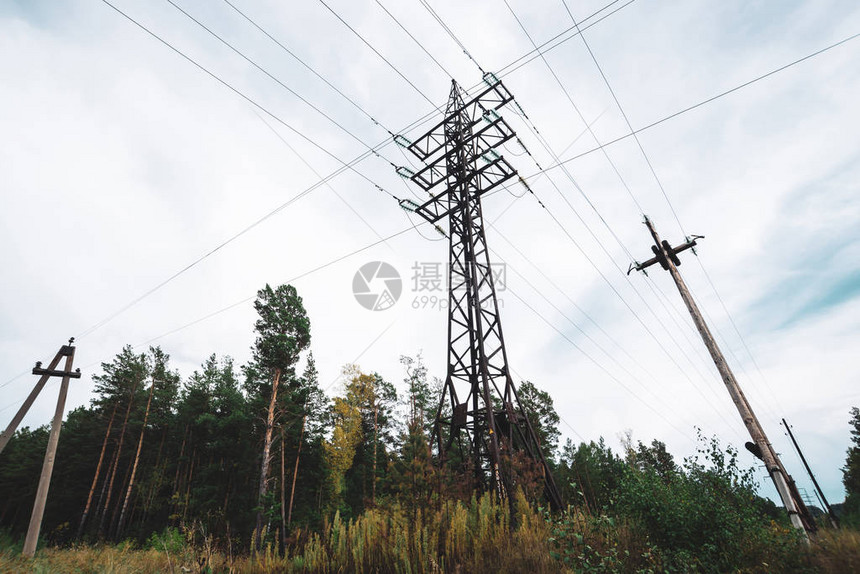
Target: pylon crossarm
493	97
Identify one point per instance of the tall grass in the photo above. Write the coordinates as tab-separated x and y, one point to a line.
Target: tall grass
457	537
836	551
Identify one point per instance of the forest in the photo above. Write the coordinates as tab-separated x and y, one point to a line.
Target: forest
253	468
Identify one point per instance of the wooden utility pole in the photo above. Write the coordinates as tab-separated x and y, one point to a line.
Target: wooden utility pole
833	520
67	351
667	257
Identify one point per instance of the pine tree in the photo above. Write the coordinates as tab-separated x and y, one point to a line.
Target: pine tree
851	472
542	415
283	333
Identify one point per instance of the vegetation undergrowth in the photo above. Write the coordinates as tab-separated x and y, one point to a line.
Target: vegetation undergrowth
473	536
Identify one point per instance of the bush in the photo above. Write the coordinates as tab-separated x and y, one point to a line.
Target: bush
705	516
171	540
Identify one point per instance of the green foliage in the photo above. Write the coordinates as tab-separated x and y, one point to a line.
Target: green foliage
340	449
704	516
851	474
598	543
589	475
423	395
170	540
369	496
283	329
540	410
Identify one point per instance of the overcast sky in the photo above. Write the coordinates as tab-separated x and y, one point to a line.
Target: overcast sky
121	163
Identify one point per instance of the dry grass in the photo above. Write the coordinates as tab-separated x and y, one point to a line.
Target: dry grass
458	538
474	538
107	559
836	552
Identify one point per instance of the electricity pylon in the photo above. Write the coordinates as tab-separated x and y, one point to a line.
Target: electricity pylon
484	425
667	257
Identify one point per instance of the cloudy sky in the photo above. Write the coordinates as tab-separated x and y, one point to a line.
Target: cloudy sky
127	156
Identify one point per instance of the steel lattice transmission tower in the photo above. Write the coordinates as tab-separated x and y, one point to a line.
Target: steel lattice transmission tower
480	425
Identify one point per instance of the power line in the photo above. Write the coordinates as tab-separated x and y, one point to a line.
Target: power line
774	395
251	298
633	132
603	248
257	105
316	173
560	39
597	364
375	149
638	318
345	166
572	322
375	51
624	275
576	109
653	172
450	33
615	236
555	156
699	104
283	85
13	379
420	45
308	67
562	419
570	300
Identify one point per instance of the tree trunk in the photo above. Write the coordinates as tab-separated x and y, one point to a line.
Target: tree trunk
187	497
296	472
178	476
114	519
98	473
158	479
116	462
100	505
136	461
375	441
283	510
264	464
179	460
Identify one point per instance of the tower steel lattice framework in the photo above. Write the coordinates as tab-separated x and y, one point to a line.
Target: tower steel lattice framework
480	424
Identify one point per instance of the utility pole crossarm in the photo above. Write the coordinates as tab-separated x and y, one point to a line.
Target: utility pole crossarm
660	255
484	105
